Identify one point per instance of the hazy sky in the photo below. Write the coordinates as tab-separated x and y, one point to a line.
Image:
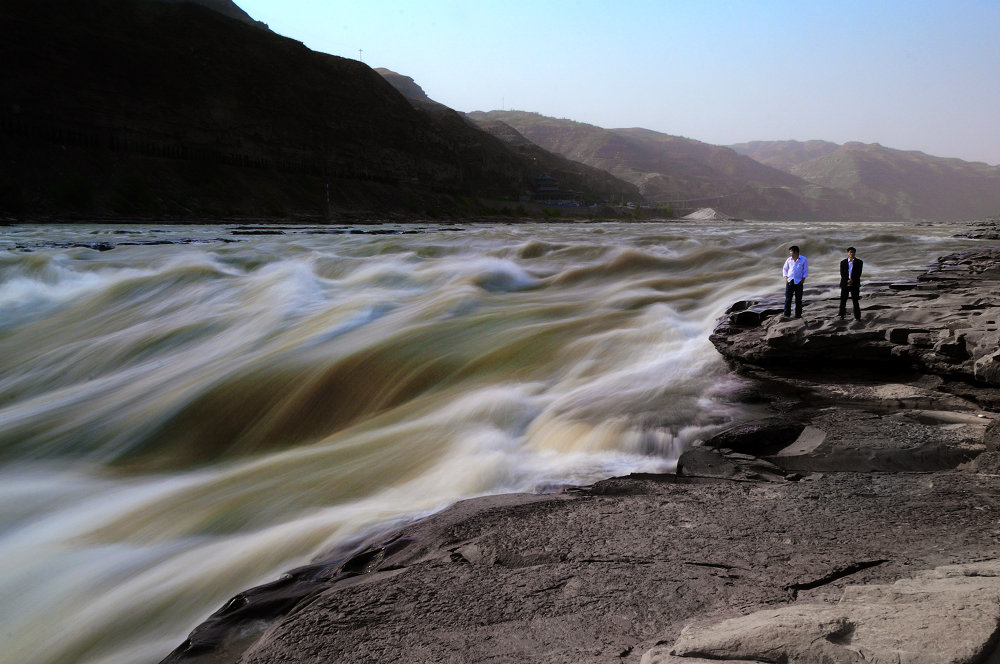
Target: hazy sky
910	75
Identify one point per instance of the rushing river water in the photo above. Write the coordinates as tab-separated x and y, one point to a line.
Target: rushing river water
196	409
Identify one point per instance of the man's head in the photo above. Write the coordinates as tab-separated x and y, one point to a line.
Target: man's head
851	251
793	251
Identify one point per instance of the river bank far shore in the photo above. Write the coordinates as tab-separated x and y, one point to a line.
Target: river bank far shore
856	521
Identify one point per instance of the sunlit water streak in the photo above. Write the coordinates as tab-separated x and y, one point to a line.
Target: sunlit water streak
181	421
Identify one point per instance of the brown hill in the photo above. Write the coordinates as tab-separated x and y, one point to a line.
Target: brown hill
135	108
910	184
684	172
407	87
572	176
552	176
784	155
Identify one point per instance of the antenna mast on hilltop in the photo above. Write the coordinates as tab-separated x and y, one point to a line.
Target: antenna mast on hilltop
359	55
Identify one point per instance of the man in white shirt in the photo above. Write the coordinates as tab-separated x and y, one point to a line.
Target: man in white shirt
795	270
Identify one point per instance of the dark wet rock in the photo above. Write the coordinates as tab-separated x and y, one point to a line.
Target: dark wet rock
708	463
760	437
705	462
97	246
108	246
986	230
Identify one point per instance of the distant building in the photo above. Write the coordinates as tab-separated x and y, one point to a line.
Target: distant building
547	190
544	185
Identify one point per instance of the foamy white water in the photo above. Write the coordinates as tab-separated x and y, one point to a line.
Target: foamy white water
179	422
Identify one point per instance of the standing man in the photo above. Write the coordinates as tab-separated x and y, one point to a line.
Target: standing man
850	282
795	270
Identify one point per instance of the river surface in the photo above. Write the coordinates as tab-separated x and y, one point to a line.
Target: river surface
187	411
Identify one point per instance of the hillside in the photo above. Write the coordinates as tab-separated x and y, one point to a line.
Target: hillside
407	87
910	184
784	155
224	7
131	108
566	179
684	172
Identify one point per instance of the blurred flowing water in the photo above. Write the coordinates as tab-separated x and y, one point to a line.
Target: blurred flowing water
192	410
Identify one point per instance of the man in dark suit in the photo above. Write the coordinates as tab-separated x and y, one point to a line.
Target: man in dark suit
850	282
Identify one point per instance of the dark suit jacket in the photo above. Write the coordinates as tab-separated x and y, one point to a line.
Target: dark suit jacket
856	275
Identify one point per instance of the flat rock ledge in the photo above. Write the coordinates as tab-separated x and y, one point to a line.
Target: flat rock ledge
949	615
856	519
947	322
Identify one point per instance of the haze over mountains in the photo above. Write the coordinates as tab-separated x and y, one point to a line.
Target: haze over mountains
909	184
781	179
682	172
168	108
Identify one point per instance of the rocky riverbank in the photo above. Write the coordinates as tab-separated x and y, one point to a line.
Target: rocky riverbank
946	323
857	522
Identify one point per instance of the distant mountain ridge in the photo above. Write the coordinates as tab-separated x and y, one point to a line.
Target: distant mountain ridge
784	155
188	108
556	177
910	184
684	172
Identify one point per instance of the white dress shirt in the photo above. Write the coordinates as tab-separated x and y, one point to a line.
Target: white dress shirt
796	270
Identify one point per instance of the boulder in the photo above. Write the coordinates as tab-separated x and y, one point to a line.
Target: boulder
948	615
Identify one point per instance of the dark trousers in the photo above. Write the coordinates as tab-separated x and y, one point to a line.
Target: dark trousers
853	292
793	289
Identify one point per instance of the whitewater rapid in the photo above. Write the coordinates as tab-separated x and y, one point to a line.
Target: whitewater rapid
187	411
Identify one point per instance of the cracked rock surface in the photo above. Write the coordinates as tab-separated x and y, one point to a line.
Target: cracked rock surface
608	572
943	616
